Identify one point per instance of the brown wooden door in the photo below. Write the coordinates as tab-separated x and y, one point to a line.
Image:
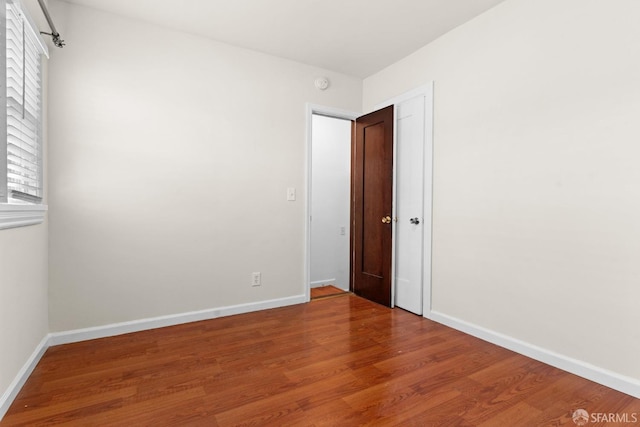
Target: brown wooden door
372	189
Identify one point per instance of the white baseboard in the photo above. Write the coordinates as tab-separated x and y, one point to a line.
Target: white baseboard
319	283
114	329
624	384
16	385
77	335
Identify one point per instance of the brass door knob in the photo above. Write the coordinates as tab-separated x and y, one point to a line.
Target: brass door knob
386	219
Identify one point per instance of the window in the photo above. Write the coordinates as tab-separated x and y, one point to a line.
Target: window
21	178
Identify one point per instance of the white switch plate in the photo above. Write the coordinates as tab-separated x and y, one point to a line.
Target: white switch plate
256	279
291	194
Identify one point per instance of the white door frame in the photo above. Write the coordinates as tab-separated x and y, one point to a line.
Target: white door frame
426	91
329	112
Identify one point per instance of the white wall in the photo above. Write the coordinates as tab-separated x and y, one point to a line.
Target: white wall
330	196
168	179
536	198
23	298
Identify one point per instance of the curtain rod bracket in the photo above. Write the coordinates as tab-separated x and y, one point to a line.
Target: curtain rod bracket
57	41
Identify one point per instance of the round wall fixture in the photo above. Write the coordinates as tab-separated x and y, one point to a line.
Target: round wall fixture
322	83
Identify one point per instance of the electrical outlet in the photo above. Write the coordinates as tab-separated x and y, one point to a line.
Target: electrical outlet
256	279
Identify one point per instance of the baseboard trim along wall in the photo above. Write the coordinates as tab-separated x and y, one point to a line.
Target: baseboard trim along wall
14	388
624	384
67	337
77	335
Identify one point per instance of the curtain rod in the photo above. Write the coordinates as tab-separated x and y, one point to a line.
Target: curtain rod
55	35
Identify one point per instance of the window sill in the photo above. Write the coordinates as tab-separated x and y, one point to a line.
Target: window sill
15	215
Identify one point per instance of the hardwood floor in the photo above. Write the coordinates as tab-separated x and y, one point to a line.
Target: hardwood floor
326	291
333	362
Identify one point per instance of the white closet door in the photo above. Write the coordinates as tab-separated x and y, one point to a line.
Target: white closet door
410	140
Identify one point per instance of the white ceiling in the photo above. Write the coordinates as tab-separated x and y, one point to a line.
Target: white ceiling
355	37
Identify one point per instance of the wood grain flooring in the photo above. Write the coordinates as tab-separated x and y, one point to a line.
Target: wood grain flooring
326	291
333	362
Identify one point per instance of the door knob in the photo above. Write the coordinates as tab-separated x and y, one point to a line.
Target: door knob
415	221
386	219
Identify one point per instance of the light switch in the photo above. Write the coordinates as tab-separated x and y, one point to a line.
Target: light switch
291	194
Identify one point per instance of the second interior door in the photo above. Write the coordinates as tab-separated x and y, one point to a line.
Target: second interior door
410	139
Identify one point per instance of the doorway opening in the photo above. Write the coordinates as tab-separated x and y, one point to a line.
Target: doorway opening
330	197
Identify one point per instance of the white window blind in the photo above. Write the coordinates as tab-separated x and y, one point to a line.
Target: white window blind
24	107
